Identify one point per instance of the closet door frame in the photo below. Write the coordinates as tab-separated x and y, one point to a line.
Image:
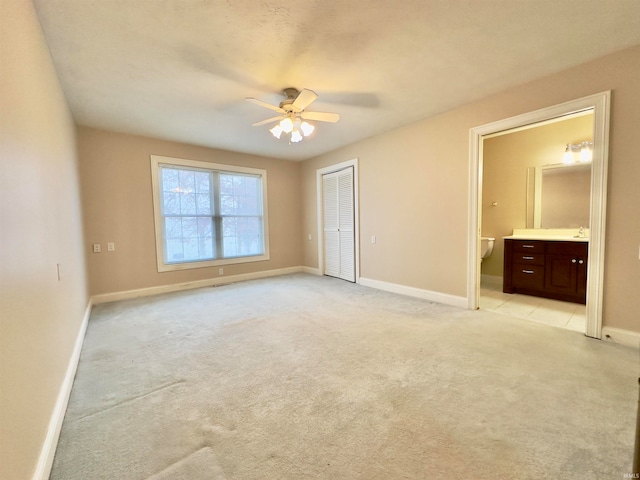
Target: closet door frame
356	213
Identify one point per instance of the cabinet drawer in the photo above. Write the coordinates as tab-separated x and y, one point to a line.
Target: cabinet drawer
529	246
527	258
528	276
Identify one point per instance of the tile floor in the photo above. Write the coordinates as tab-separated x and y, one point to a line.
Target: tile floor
571	316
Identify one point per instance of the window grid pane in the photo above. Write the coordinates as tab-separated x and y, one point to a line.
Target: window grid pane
242	236
239	195
188	239
188	208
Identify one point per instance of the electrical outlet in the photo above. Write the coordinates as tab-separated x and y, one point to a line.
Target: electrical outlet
221	271
111	247
373	239
97	248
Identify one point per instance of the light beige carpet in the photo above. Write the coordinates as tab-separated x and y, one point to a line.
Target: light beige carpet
305	377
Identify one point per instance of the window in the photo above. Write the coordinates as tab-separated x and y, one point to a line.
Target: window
208	214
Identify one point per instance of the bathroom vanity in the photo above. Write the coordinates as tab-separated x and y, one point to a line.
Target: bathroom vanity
544	266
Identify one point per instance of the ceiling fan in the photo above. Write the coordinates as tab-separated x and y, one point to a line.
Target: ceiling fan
293	116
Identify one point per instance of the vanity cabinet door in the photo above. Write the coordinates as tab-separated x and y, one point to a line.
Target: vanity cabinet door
581	288
561	274
566	269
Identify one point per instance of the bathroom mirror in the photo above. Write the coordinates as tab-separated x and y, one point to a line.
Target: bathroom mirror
558	196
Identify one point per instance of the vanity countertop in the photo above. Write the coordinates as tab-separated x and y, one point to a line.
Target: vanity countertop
550	238
549	234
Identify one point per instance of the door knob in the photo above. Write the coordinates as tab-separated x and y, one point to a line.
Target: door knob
580	262
573	260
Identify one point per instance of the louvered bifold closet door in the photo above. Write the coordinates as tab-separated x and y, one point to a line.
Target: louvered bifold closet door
339	232
345	225
331	234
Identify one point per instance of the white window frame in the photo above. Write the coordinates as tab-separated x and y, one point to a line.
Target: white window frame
156	162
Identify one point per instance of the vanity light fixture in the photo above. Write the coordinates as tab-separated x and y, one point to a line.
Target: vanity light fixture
584	148
586	152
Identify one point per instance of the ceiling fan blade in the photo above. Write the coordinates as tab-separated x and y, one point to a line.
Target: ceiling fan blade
268	120
305	98
321	116
265	104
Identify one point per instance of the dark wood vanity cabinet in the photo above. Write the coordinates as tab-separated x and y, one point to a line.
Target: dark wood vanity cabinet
546	268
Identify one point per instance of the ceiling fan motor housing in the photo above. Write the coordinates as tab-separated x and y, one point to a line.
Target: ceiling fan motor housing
294	107
287	104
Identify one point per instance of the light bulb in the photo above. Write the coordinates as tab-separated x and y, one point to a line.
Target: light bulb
276	131
286	125
567	158
307	128
295	136
585	153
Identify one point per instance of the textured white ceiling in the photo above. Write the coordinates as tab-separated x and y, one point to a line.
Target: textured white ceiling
180	69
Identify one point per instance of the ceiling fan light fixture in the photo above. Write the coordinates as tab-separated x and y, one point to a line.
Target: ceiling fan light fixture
286	125
276	131
296	136
293	113
307	128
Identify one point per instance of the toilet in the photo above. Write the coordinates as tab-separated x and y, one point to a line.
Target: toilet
486	246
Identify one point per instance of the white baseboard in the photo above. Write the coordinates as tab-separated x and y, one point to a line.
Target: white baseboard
437	297
311	270
621	337
208	282
48	451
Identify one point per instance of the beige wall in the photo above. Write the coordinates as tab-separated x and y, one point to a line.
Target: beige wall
506	159
414	187
115	175
406	204
40	227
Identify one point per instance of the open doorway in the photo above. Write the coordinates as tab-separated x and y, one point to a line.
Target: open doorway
599	104
531	183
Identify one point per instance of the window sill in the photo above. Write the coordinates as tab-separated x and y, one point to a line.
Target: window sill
172	267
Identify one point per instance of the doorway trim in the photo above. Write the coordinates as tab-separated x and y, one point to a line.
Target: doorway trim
600	104
356	212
